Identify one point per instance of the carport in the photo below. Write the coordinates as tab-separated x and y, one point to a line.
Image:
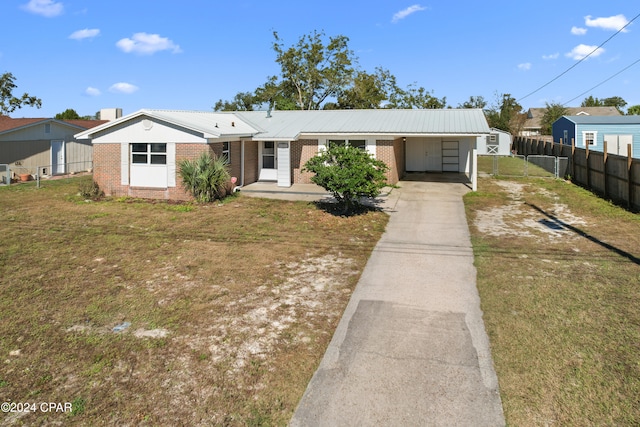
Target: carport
442	153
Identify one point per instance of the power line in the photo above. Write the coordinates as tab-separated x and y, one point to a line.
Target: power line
602	82
580	61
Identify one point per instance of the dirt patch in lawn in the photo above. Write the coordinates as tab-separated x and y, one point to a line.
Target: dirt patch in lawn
518	219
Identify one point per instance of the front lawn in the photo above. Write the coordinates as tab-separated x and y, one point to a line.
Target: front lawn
141	313
559	282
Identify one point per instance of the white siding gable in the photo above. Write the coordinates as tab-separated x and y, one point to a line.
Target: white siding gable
148	130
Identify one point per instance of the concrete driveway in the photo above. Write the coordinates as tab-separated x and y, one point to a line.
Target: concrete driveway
411	348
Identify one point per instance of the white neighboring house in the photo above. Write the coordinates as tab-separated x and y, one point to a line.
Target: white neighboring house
497	143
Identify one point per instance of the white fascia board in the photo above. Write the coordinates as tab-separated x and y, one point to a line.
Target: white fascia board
231	136
260	137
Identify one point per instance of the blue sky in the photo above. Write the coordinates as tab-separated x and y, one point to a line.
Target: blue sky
93	54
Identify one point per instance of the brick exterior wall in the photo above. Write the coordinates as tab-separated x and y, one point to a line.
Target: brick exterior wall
301	151
106	161
234	155
106	169
392	153
106	172
250	162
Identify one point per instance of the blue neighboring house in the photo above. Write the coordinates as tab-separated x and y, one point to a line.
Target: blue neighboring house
618	131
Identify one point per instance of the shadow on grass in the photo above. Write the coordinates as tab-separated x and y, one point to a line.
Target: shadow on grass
555	223
340	209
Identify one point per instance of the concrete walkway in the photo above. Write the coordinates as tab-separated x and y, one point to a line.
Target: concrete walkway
411	348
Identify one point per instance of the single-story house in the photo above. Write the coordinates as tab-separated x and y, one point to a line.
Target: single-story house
592	131
137	154
533	123
27	144
497	143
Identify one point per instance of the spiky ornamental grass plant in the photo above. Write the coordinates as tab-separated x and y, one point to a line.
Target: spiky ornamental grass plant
206	178
349	173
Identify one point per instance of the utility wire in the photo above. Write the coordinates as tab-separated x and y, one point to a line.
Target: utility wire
602	82
580	61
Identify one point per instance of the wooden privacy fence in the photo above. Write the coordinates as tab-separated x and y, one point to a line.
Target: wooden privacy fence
614	177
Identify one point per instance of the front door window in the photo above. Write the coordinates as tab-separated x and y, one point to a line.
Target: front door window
268	155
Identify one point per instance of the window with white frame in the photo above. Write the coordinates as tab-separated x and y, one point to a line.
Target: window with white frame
589	138
226	152
358	143
149	153
47	128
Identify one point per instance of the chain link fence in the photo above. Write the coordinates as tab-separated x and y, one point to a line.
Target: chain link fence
5	174
65	170
522	166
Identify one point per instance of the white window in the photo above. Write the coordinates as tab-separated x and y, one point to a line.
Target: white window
268	155
149	167
226	153
589	138
358	143
149	154
47	128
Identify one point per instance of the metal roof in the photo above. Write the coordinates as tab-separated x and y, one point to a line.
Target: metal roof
605	120
288	125
210	124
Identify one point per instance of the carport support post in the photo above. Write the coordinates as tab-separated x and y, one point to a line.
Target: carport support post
474	172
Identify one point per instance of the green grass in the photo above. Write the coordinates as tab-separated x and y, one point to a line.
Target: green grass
560	310
240	332
508	166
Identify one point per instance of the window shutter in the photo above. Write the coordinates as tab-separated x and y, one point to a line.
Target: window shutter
124	163
171	164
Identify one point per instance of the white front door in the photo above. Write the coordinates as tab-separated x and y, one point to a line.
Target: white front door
423	155
268	161
57	157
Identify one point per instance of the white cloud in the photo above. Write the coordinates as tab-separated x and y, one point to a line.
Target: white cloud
123	88
92	91
147	44
582	50
577	31
524	66
612	23
47	8
552	56
84	34
406	12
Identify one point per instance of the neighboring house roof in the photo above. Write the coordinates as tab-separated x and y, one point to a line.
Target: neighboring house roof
496	130
605	120
534	115
8	124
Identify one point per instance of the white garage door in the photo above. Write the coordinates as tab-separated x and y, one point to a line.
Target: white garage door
423	155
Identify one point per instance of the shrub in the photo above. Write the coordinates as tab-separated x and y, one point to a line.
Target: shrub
205	178
349	173
90	190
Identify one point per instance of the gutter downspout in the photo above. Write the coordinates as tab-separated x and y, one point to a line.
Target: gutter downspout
238	187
